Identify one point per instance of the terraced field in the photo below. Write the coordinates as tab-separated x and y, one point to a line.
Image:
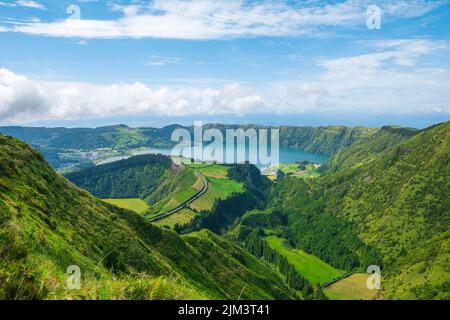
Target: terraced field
136	205
311	267
353	287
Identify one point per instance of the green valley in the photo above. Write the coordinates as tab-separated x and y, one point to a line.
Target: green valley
47	225
308	234
312	268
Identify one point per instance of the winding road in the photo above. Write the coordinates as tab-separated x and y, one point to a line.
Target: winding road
187	202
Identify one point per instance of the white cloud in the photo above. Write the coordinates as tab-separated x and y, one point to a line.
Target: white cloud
23	99
23	3
388	80
204	19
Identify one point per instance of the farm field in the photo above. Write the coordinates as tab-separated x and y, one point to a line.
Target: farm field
136	205
353	287
217	189
312	268
293	169
182	217
178	198
216	171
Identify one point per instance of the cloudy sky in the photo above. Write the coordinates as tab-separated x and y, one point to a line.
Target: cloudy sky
91	63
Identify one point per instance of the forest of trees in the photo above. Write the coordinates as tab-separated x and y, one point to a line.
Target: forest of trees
258	246
136	177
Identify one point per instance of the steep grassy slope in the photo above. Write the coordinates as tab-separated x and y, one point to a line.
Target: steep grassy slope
363	152
327	140
136	177
152	178
177	186
47	224
399	204
390	208
396	202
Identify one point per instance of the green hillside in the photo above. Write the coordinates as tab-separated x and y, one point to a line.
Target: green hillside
327	140
363	152
399	205
176	187
312	268
136	177
152	178
47	224
389	208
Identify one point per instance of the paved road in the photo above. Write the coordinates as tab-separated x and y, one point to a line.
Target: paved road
186	203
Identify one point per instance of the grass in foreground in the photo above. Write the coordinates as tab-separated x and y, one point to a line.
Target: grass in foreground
353	287
136	205
312	268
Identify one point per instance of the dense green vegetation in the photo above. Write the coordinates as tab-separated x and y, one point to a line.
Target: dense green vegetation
382	199
362	153
388	209
260	248
47	224
398	205
312	268
225	211
218	189
327	140
136	177
176	187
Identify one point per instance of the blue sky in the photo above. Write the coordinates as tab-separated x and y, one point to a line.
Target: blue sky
157	62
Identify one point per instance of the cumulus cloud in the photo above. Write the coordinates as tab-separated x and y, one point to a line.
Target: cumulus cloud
23	99
204	19
388	80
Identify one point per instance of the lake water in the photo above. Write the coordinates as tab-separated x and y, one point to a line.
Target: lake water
286	155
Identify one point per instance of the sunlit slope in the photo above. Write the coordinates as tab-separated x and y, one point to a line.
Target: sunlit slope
363	152
47	224
398	203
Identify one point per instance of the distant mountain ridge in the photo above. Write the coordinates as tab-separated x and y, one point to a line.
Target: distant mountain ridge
52	142
365	150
